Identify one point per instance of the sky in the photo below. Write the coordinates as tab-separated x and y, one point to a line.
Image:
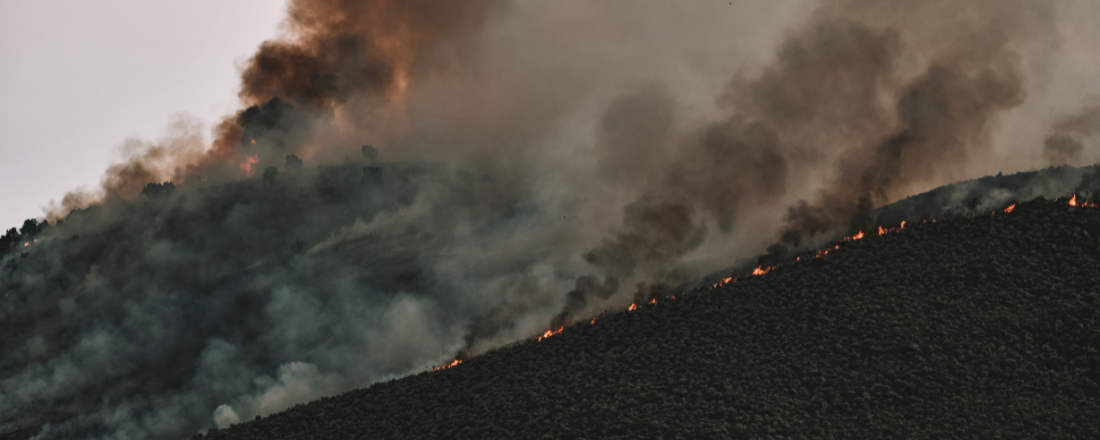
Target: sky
78	78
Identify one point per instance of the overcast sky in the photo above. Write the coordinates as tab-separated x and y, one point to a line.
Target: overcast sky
77	78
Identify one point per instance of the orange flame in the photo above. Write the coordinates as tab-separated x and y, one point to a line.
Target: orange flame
593	321
760	270
551	332
881	231
654	300
854	237
903	224
249	162
632	307
1010	208
1073	201
444	367
253	141
26	244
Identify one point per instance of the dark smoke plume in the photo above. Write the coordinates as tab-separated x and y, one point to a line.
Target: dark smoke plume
944	118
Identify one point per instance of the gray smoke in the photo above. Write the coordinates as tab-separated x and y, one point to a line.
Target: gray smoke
1070	133
406	184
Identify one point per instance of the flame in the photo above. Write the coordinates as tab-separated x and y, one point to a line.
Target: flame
552	332
654	300
903	224
760	270
881	231
252	141
632	307
1073	201
1010	208
450	365
26	244
727	280
249	162
593	321
854	237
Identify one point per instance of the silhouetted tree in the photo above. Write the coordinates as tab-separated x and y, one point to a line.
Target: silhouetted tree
293	163
158	190
9	241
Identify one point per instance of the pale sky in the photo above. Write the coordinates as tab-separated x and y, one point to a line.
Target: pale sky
77	78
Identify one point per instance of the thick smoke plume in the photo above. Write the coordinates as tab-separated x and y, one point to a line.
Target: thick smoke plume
530	165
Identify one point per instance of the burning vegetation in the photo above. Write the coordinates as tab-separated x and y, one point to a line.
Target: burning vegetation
920	330
254	282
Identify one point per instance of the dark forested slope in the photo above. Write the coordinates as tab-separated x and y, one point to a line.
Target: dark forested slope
983	327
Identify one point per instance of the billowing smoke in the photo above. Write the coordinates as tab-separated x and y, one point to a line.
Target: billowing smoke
529	165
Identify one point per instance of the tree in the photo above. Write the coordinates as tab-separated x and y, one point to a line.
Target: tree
293	163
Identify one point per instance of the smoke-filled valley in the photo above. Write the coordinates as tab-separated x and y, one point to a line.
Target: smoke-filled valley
408	183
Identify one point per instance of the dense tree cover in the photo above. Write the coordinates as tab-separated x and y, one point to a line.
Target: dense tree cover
985	327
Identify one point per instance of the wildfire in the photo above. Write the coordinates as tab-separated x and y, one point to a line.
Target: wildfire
1010	208
249	163
450	365
553	332
760	270
593	321
881	230
1083	204
26	244
632	308
854	237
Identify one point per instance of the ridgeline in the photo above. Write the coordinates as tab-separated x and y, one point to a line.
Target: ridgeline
984	327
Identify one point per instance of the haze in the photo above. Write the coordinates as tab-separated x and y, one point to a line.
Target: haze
79	78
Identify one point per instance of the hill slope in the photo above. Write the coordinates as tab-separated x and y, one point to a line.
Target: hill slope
966	328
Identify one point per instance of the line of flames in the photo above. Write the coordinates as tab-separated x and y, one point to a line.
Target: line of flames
761	270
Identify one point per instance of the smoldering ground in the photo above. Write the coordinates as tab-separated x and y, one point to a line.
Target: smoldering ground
536	164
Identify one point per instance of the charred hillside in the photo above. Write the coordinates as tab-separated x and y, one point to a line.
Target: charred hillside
980	327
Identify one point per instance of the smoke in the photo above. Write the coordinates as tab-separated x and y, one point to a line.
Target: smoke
527	165
942	121
1066	143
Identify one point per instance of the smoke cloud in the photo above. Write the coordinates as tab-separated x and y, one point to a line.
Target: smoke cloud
408	182
1070	132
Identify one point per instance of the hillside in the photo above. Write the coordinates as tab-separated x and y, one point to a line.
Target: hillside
985	327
